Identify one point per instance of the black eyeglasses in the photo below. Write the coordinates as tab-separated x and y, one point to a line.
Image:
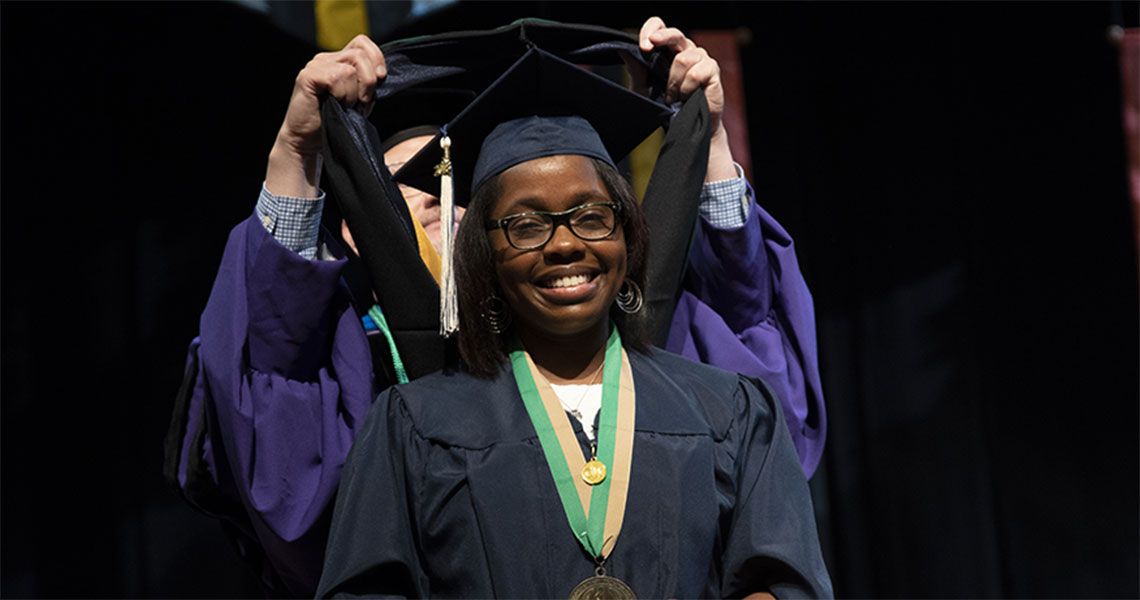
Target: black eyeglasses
530	230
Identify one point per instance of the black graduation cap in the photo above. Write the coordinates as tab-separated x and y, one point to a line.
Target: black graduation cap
471	63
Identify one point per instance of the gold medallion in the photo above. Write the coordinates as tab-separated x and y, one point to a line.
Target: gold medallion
594	472
602	587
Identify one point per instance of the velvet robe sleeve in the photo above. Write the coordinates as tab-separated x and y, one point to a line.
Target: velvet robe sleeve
745	307
284	379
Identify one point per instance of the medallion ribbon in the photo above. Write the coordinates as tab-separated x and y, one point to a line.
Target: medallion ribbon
595	512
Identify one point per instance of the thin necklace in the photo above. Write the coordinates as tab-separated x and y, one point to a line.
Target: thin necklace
576	410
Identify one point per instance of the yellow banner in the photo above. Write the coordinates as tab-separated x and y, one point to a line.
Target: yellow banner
338	21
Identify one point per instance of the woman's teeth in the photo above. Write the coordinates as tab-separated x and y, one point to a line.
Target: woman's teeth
570	281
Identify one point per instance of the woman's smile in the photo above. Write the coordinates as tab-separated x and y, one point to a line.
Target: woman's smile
568	288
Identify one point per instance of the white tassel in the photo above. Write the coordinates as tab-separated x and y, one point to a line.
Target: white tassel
448	297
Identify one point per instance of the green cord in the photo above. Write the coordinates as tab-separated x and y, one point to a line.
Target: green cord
382	323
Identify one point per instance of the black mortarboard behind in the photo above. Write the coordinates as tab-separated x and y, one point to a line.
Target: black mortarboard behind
538	84
417	111
472	62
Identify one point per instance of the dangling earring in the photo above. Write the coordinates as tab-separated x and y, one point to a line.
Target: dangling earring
629	297
496	314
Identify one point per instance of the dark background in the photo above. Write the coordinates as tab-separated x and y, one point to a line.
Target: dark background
954	176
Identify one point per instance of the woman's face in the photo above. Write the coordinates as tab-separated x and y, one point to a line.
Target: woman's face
565	287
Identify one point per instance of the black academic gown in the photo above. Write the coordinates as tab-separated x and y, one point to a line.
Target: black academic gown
447	493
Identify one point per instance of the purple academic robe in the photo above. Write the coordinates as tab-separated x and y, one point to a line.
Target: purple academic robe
285	372
746	308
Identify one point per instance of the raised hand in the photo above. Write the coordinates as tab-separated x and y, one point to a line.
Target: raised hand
693	69
349	75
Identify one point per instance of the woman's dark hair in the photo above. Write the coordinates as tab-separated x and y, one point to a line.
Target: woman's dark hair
484	351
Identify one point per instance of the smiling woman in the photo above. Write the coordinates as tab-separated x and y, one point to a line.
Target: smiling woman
566	457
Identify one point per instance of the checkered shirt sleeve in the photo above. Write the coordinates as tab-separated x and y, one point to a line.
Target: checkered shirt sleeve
724	204
294	222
